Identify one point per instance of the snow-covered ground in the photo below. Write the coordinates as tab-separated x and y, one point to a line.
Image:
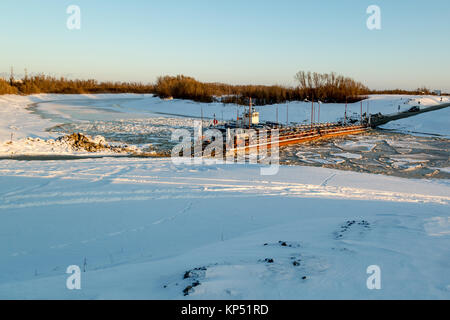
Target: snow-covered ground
431	123
147	228
141	224
23	132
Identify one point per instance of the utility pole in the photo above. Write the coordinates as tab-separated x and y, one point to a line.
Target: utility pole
201	115
249	112
277	115
318	115
11	77
361	113
287	114
312	111
345	115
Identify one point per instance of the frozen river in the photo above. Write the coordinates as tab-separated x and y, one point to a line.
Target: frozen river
149	122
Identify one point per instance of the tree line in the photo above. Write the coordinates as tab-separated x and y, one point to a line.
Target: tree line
47	84
311	86
329	87
418	91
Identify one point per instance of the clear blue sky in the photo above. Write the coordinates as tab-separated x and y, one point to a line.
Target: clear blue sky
234	41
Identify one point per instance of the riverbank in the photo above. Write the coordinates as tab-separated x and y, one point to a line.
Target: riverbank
107	114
